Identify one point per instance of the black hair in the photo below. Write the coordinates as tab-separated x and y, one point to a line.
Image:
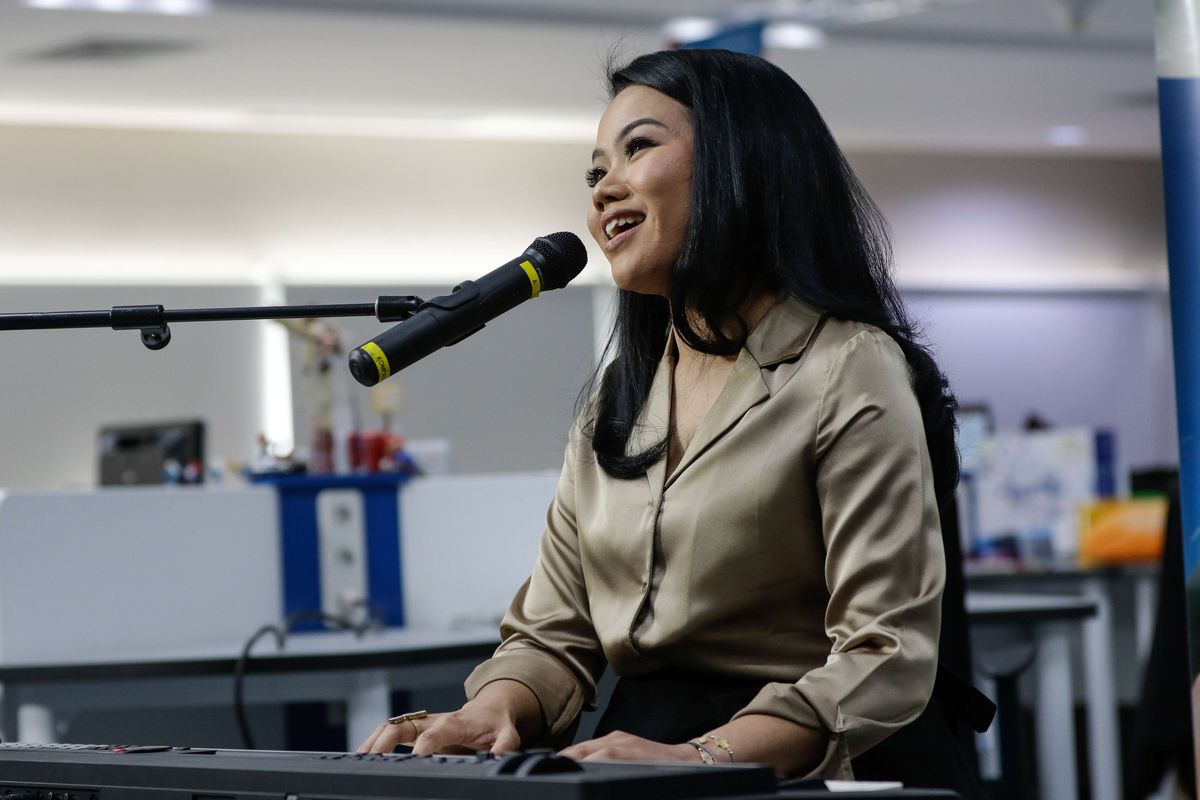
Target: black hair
776	208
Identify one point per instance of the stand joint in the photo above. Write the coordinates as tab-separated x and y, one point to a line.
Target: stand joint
147	319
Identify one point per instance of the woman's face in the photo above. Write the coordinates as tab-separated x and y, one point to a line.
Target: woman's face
641	183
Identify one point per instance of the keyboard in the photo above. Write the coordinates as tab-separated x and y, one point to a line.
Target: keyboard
107	772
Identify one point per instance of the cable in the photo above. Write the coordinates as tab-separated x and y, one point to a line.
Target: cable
239	675
373	622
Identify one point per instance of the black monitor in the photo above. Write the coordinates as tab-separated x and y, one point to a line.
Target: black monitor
152	453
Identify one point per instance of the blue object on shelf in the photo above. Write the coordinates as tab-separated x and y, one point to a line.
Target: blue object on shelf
1106	464
300	546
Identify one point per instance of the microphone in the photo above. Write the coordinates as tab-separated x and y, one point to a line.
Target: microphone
549	263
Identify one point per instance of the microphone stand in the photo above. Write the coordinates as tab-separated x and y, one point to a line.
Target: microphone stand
152	320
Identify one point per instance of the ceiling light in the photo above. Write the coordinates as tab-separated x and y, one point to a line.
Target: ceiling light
170	7
411	125
182	7
1067	136
690	29
119	117
792	36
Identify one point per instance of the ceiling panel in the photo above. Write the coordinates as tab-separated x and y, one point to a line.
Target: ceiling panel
987	75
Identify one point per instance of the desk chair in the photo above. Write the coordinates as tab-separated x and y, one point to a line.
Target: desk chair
1005	662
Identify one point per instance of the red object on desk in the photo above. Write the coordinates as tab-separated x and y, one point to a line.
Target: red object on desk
365	450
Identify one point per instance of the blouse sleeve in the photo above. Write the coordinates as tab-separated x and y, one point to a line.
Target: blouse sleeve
548	642
884	565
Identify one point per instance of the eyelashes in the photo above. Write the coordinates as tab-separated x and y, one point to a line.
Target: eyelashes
635	144
596	174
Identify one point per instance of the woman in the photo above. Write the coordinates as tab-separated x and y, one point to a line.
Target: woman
746	527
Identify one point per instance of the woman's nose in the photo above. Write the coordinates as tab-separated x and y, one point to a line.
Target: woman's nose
610	188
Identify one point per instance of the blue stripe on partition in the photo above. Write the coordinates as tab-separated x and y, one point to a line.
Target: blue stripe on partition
1179	114
299	546
381	507
744	38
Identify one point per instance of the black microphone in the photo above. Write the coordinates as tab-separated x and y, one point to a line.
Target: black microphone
549	263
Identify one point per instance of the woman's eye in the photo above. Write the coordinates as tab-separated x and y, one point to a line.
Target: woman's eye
636	144
596	174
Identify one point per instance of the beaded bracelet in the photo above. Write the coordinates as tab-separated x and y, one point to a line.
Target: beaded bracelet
705	754
719	742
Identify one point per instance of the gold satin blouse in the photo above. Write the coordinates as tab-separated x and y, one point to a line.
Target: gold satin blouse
797	541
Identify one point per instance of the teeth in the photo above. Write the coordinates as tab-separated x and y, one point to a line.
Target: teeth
617	222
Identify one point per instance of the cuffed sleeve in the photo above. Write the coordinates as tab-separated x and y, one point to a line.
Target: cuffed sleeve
884	565
548	641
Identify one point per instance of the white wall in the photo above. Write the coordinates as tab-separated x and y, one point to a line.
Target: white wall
58	387
1100	359
233	208
1042	285
986	221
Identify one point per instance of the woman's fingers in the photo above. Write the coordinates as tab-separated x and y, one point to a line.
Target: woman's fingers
468	731
369	742
507	741
387	736
607	742
464	731
621	746
590	747
431	741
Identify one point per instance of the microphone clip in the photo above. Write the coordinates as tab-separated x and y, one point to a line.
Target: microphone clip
462	294
147	319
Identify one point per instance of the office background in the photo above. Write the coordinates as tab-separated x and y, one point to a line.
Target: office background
268	152
308	153
1041	280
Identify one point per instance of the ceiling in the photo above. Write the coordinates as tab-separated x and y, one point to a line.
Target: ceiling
974	75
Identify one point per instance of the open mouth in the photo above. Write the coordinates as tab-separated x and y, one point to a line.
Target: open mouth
626	222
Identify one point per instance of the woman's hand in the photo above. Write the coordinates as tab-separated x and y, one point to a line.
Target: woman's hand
472	728
497	719
756	738
621	746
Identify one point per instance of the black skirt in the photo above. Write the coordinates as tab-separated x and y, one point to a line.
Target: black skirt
673	706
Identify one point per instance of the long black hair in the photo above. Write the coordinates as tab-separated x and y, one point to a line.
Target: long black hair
774	207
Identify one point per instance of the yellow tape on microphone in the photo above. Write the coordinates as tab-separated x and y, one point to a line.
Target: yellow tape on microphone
380	358
535	280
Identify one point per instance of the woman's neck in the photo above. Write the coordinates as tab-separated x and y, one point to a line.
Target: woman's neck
750	315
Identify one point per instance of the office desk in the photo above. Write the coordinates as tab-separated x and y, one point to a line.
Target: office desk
1099	585
362	672
1051	618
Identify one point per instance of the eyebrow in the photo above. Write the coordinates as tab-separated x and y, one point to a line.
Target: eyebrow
625	132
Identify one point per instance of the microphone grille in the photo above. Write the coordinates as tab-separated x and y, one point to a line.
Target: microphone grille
565	257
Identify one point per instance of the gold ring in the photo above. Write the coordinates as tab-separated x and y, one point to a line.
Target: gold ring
416	727
411	716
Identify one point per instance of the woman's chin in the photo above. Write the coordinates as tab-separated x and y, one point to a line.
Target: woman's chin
643	288
639	281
